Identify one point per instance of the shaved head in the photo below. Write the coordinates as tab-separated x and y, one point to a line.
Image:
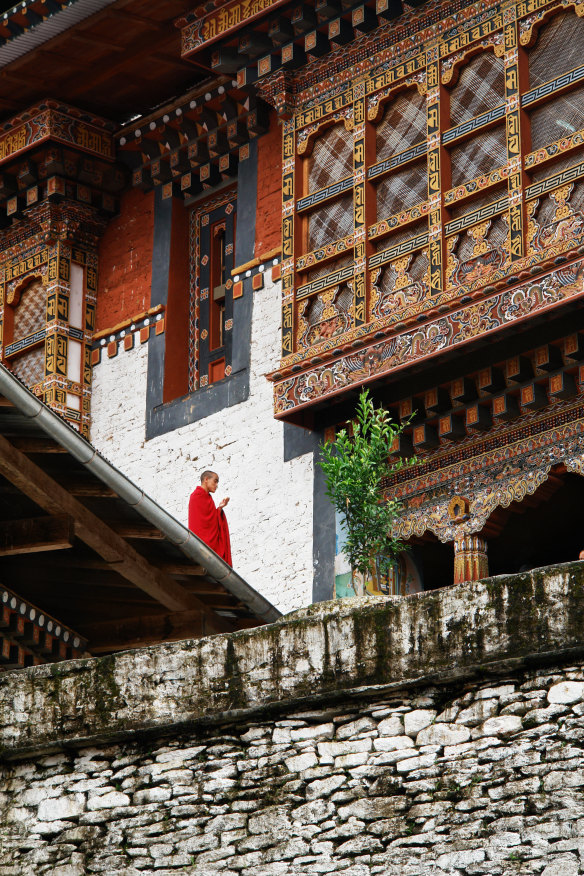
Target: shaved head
208	474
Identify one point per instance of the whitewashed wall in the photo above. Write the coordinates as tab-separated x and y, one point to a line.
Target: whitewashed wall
270	513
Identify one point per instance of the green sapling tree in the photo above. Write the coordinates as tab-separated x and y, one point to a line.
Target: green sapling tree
354	466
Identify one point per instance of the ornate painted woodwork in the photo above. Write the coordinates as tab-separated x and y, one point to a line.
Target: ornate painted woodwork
422	183
497	435
29	636
212	249
470	559
196	143
58	186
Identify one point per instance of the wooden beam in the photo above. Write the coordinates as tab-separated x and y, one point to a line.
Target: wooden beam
137	530
88	488
53	498
140	51
183	569
92	39
36	534
37	445
134	632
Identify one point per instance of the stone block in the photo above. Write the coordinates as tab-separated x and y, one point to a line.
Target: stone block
443	734
324	787
503	725
63	808
566	692
417	720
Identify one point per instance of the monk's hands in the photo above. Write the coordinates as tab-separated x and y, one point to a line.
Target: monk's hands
223	502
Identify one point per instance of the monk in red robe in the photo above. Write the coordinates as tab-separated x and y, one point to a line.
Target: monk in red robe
206	520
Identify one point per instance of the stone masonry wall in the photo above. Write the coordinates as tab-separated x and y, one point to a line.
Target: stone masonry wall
270	513
433	735
473	779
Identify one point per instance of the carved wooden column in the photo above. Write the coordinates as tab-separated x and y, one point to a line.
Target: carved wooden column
470	559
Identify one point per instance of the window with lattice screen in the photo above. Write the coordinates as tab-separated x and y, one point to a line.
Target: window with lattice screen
559	48
479	88
27	317
330	162
331	158
402	125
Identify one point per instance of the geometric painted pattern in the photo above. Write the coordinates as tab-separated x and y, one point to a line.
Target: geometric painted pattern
331	159
480	88
328	268
559	48
29	366
403	124
30	312
479	155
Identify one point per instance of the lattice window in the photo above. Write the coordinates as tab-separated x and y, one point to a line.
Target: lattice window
30	365
30	312
344	300
331	222
479	155
402	125
418	267
26	317
577	198
480	88
331	159
558	118
559	48
402	190
465	247
314	311
545	211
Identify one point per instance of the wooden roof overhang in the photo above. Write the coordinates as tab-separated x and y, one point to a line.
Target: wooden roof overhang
253	40
114	58
84	547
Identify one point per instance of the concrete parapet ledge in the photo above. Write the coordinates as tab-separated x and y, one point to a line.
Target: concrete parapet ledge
330	651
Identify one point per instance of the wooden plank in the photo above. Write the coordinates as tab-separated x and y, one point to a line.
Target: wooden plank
137	530
88	488
36	534
183	569
37	445
53	498
135	632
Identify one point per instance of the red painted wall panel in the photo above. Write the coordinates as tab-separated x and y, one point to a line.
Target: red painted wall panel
125	261
269	206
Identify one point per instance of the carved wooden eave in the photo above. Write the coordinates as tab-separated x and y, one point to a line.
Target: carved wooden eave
253	39
194	143
53	152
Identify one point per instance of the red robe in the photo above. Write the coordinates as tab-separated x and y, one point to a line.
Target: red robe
209	523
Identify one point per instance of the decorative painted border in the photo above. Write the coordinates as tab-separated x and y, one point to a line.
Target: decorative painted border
446	332
494	26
